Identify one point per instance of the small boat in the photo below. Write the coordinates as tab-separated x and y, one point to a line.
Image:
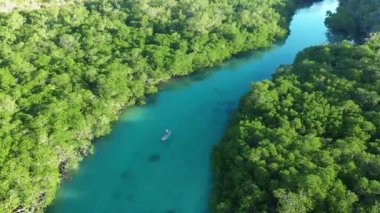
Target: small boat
167	135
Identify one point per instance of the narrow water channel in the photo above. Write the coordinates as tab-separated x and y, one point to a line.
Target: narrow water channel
132	170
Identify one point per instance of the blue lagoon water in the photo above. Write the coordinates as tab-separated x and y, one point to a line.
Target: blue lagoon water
132	170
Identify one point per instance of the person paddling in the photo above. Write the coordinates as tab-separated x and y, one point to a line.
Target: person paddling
167	134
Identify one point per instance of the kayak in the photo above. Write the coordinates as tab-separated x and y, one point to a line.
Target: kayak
166	136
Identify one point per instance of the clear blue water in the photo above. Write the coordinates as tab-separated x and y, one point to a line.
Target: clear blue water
133	171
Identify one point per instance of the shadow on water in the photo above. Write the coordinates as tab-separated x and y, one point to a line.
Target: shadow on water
308	4
116	194
154	158
228	107
125	175
232	64
122	195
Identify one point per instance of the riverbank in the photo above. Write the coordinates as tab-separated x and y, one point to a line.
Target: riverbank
308	139
131	162
297	131
67	73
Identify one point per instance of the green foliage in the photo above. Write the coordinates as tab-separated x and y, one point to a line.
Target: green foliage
355	19
308	140
65	73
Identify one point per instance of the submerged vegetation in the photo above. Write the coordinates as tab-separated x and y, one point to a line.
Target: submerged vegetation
65	73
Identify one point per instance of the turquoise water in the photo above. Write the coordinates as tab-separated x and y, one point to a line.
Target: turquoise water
133	171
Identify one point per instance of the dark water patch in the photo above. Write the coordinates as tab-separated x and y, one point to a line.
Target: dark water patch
170	211
116	195
200	76
230	110
226	106
154	158
128	197
125	175
151	98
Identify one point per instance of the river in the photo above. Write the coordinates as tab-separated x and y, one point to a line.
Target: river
133	171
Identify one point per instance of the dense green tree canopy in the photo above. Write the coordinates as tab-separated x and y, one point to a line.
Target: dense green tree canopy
355	19
308	140
66	72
